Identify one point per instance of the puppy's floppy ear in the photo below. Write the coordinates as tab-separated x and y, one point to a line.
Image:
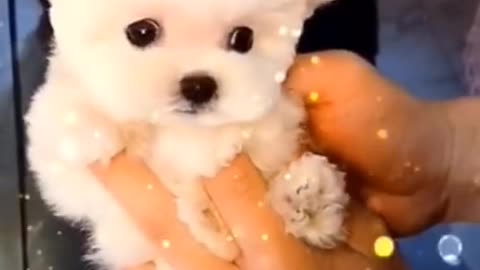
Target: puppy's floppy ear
312	5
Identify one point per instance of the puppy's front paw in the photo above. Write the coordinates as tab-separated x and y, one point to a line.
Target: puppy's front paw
86	138
311	199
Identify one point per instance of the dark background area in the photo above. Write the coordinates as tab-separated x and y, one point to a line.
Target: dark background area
402	37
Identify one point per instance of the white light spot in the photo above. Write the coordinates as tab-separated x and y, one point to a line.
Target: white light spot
68	150
50	267
287	176
246	134
70	118
59	232
296	33
280	77
155	118
97	134
29	228
407	164
26	197
450	249
39	252
283	31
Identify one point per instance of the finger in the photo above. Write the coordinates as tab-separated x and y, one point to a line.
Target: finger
152	209
239	193
405	215
324	72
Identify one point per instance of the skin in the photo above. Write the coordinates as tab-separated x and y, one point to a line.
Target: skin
413	163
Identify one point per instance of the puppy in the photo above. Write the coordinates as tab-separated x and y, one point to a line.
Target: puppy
186	85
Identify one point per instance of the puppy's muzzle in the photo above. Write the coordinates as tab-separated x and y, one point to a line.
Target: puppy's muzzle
198	89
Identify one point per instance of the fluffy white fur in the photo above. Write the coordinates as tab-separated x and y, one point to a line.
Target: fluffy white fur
103	95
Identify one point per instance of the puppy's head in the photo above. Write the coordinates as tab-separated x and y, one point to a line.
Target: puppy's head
207	62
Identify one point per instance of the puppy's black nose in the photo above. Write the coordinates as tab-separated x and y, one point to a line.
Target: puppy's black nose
198	89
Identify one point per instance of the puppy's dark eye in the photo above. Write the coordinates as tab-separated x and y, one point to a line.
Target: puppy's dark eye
240	39
143	33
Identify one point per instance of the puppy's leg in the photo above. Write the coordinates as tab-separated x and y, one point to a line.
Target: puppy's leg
310	197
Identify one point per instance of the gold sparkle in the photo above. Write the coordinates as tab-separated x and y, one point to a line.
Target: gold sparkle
229	238
265	237
315	60
313	98
287	176
384	247
382	134
149	186
166	244
236	176
260	204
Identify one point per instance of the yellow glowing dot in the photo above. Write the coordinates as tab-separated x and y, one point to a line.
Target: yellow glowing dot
265	237
313	98
260	204
315	60
382	134
166	244
384	247
229	238
287	176
236	176
150	187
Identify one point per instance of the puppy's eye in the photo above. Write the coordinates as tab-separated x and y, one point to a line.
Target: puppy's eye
143	33
240	39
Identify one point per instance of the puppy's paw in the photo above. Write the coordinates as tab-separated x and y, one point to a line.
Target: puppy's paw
137	138
311	199
87	138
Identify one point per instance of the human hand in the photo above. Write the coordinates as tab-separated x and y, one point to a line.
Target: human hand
394	147
259	231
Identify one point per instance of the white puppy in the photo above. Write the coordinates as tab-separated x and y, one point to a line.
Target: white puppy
186	85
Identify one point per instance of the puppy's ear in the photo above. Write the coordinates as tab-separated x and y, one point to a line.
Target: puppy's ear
312	5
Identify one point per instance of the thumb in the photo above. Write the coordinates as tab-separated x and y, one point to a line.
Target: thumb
405	215
239	195
325	72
